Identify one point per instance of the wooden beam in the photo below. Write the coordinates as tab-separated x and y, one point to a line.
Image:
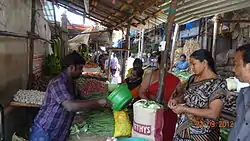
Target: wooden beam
153	14
147	5
109	26
124	4
127	4
108	14
31	45
109	7
105	18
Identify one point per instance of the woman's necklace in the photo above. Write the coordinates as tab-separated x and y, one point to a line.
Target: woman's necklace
205	77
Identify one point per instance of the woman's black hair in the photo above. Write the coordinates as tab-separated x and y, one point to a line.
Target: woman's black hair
138	63
73	58
202	55
139	71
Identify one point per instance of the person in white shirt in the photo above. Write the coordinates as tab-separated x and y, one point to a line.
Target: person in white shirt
114	64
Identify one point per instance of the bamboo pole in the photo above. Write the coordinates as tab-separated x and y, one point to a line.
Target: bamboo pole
163	66
31	49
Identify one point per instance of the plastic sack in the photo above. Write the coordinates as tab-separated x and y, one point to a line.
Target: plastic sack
148	120
123	126
16	138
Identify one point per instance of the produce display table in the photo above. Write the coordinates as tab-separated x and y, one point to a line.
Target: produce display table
95	75
21	104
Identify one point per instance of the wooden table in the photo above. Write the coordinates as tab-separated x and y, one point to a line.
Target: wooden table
21	104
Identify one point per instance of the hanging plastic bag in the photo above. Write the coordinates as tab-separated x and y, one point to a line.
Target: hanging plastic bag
123	126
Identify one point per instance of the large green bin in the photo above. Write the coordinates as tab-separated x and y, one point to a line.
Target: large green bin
120	97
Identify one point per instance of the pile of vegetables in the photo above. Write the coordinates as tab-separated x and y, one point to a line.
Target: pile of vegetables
224	134
148	104
92	86
98	122
52	61
29	96
95	75
183	75
90	65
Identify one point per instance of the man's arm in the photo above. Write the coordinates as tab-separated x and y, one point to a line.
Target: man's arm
244	129
80	105
62	96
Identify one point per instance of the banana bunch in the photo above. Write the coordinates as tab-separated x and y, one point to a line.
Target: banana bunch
52	62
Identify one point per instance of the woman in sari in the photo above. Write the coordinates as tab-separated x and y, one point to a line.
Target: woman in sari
203	101
148	90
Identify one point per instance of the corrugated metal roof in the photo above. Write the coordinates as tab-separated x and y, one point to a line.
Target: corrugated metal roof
195	9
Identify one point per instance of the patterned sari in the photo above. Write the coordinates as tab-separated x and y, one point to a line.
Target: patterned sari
199	95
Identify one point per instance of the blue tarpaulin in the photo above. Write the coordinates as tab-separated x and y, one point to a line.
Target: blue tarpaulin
192	24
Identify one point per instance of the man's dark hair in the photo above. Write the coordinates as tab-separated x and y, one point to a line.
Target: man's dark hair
73	59
183	55
245	49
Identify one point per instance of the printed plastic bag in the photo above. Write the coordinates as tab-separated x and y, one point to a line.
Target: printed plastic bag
148	120
123	126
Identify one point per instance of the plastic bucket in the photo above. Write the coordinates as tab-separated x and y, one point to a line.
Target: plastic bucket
120	97
132	139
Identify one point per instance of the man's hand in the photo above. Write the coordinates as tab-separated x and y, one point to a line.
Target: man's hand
104	103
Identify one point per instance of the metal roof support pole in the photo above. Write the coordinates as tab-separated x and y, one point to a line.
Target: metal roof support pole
31	49
176	31
164	54
205	37
126	53
216	22
109	77
139	44
142	40
110	52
